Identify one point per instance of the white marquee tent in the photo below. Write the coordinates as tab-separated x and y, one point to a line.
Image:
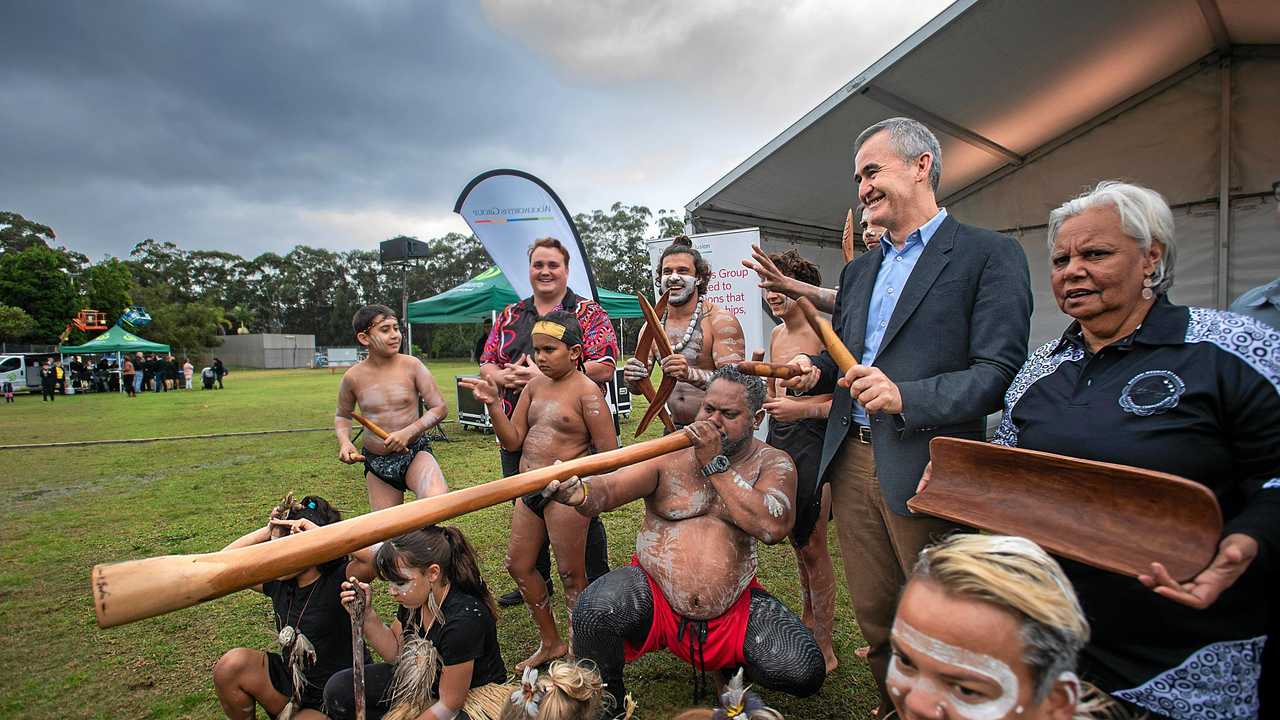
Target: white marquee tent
1035	100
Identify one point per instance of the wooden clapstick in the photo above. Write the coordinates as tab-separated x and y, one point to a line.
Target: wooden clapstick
127	591
767	370
1114	517
370	425
835	346
847	238
357	652
658	402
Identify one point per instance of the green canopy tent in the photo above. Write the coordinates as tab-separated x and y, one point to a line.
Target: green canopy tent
477	299
116	340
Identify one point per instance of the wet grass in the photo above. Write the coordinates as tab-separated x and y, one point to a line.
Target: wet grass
62	510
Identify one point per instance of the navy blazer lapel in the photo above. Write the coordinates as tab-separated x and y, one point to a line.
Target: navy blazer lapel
855	325
928	267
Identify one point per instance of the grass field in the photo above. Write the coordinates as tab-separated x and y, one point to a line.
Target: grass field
62	510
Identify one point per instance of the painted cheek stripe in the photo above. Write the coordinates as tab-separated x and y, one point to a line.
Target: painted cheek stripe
955	707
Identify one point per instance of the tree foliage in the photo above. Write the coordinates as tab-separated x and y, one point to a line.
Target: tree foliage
615	241
15	323
36	280
194	296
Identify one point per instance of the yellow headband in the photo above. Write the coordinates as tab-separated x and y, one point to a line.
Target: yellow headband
552	329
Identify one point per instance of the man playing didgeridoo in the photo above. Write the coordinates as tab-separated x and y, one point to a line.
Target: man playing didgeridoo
797	426
386	385
703	336
561	415
691	587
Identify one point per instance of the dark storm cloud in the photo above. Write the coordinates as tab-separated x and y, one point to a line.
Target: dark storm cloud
253	126
298	105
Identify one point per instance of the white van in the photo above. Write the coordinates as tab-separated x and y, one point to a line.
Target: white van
22	370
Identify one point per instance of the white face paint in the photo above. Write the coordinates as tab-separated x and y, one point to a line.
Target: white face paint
951	702
681	287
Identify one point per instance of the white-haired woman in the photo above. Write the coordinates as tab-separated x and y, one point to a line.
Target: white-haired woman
1138	380
988	627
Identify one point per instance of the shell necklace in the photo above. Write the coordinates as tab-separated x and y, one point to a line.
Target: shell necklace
289	633
694	324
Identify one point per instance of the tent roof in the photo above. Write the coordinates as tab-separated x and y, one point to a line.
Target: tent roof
1000	82
474	300
117	339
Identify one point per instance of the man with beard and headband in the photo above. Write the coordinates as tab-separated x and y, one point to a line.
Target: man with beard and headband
691	587
387	385
703	336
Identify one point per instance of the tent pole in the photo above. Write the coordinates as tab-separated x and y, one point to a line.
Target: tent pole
1222	248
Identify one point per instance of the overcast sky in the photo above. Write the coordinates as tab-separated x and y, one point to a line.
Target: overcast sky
255	126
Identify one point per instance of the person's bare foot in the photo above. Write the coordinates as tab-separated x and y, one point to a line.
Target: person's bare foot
833	662
542	656
862	652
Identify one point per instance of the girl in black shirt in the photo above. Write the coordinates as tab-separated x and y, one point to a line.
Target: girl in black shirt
313	629
444	640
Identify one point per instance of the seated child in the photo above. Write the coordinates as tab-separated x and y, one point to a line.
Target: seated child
443	643
313	630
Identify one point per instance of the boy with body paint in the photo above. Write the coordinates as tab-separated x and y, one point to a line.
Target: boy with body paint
561	415
989	628
387	386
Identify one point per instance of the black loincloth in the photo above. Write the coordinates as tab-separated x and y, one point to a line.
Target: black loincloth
803	442
392	468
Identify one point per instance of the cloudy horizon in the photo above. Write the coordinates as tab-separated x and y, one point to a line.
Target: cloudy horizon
253	127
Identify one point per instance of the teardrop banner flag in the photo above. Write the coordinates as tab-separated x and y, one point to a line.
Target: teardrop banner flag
508	210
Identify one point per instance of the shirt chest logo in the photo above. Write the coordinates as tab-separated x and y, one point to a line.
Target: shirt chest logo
1152	392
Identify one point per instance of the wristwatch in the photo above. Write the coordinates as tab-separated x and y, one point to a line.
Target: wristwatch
718	464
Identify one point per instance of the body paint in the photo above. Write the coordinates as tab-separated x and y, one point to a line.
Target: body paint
955	706
679	295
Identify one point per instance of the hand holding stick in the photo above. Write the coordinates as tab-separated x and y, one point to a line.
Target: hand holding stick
357	650
835	346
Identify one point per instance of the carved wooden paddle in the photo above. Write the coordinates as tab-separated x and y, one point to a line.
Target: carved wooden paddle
1114	517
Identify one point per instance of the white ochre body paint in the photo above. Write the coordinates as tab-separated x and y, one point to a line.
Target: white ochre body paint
949	700
681	295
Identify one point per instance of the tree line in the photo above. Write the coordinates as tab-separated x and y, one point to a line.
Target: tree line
196	296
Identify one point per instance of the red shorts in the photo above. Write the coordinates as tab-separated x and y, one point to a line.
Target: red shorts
725	634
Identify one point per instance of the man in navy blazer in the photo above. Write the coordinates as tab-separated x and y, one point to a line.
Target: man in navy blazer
938	317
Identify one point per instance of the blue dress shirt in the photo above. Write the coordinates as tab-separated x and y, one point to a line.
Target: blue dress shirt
895	270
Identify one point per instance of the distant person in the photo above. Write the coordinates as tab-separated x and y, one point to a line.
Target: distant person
174	370
127	374
387	387
139	379
7	388
188	371
219	371
47	381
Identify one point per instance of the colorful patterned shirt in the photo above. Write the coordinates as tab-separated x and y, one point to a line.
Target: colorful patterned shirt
511	337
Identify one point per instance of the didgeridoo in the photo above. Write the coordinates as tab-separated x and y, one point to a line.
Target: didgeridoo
127	591
835	346
767	370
